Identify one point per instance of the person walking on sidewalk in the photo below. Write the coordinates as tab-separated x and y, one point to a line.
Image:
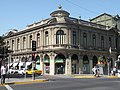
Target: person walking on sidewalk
3	74
96	71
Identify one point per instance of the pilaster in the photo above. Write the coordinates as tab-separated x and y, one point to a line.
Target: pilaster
52	65
68	69
91	65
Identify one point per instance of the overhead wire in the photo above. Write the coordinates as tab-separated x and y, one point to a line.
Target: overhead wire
81	7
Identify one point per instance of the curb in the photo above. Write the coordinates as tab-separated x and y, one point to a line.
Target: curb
112	77
85	77
24	82
95	77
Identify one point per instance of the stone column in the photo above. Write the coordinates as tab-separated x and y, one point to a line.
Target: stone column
52	65
42	37
68	70
91	65
80	66
15	44
42	63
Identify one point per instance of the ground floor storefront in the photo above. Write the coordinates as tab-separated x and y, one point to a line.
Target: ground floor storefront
66	62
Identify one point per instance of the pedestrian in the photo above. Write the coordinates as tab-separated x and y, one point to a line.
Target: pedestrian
114	71
94	69
98	71
3	74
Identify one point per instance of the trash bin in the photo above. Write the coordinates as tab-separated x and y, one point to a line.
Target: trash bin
118	73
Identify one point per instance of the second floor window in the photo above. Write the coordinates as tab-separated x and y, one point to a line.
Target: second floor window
38	39
60	37
18	44
102	42
30	40
84	39
94	40
46	38
7	43
74	38
13	45
110	42
116	42
24	42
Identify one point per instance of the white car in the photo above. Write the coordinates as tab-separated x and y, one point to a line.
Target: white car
13	71
21	71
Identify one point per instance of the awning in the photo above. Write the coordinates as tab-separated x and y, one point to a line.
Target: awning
15	64
46	60
59	60
28	63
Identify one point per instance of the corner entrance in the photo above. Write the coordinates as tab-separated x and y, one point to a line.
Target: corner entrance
60	64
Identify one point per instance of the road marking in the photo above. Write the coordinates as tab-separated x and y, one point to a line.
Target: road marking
8	87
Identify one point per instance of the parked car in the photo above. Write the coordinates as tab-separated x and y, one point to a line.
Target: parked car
39	72
13	71
22	71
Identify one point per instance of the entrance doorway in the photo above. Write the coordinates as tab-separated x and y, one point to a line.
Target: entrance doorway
60	64
95	61
47	64
59	68
75	64
86	66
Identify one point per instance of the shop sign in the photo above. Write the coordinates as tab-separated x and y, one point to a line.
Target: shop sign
59	60
46	60
85	61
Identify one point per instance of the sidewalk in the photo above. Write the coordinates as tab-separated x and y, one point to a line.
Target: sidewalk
22	81
92	76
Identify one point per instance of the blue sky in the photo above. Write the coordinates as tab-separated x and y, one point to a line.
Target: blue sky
17	14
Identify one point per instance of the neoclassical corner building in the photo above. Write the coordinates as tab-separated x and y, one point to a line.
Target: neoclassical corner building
65	45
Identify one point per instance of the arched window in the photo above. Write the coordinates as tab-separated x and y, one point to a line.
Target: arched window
84	39
30	40
13	44
110	42
94	40
116	42
46	38
18	44
60	37
24	42
38	39
74	38
7	43
102	42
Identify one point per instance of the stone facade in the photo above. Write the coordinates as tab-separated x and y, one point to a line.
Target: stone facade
65	45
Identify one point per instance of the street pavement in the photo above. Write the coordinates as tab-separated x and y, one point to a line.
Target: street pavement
63	82
17	79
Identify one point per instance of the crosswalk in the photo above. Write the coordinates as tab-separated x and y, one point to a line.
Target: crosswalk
8	87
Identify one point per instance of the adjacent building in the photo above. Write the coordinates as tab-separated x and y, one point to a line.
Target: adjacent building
65	45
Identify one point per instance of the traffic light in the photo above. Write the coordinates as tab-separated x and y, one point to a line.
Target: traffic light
33	45
33	56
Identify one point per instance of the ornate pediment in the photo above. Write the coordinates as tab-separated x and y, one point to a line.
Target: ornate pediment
53	20
10	33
